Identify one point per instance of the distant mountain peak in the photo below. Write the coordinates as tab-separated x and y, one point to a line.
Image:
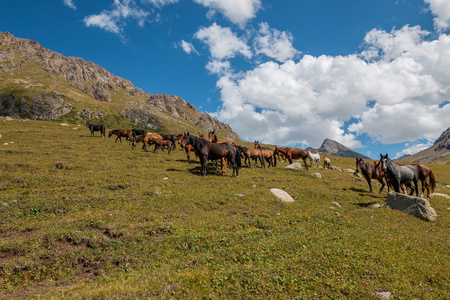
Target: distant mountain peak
332	147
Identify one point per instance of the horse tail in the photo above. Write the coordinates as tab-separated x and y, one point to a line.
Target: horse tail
237	157
432	181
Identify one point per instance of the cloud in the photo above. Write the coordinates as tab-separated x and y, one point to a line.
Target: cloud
113	20
188	47
392	92
414	148
160	3
219	67
70	4
237	11
274	44
222	42
441	9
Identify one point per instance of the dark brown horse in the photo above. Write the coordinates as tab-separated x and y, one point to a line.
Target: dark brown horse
371	172
291	154
93	127
208	150
127	134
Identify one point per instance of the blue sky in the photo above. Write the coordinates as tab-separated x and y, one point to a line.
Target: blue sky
372	75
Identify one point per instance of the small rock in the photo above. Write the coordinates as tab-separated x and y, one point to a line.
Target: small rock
317	175
337	204
282	195
294	166
376	205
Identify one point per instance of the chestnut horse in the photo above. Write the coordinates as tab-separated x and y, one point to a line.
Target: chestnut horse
146	140
291	154
208	150
161	144
370	172
249	153
267	154
127	134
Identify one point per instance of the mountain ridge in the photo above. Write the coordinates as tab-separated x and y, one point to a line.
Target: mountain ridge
39	83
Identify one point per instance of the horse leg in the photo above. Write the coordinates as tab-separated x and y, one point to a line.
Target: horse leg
369	182
382	184
306	164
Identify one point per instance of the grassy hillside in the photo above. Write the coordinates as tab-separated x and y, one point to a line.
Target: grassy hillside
84	218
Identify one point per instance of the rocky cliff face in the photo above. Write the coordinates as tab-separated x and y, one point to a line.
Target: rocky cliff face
333	147
44	93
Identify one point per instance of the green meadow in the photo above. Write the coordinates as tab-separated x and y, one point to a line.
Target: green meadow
83	217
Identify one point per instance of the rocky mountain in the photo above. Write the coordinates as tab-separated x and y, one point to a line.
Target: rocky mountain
38	83
438	153
332	147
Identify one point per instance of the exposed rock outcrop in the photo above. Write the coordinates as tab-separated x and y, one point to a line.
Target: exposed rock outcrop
415	206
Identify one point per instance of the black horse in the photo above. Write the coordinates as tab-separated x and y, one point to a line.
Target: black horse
94	127
399	175
138	132
170	137
208	150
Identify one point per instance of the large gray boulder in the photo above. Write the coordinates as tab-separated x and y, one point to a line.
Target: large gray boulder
415	206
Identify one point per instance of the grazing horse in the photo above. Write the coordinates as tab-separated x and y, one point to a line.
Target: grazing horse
326	163
170	137
146	140
267	154
291	154
249	154
208	150
161	144
138	132
93	128
314	158
370	172
127	134
424	173
398	175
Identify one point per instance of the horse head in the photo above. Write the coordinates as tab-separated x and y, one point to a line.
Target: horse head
358	162
384	160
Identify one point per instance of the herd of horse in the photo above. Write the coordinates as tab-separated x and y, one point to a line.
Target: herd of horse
387	172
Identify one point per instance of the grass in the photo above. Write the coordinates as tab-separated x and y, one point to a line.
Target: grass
84	218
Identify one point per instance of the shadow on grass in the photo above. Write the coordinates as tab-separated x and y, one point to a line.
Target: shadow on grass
364	204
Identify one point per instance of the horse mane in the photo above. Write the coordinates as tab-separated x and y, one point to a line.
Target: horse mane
139	138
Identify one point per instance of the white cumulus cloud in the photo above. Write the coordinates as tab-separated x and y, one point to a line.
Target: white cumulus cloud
441	9
237	11
391	92
274	44
222	42
113	20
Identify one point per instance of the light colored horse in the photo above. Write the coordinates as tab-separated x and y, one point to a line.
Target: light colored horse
314	158
326	163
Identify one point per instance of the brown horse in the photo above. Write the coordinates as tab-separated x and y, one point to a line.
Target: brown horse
371	172
267	154
213	151
127	134
146	140
249	154
161	144
424	173
291	154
